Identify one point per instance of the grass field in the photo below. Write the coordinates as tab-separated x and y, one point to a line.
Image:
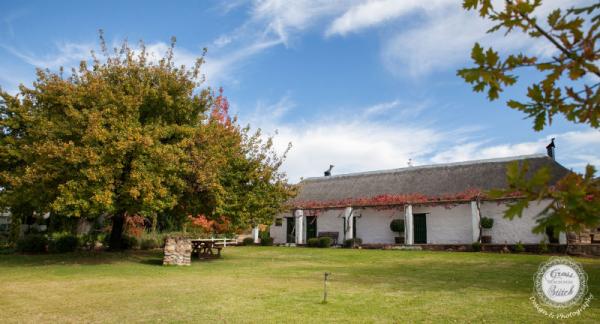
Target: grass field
261	284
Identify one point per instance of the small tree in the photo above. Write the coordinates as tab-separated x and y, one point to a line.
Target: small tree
397	225
487	223
569	87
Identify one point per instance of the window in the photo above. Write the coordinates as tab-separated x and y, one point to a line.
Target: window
278	221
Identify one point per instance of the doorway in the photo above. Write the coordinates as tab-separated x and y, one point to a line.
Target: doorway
420	228
290	232
311	227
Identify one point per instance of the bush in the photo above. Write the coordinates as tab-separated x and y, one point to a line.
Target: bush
487	222
476	247
149	244
313	242
544	247
129	242
248	241
32	243
519	248
325	242
351	243
397	225
266	241
63	243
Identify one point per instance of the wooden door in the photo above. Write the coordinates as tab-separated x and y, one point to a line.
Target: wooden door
420	228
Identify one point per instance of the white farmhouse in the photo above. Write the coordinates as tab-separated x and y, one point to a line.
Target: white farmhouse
440	204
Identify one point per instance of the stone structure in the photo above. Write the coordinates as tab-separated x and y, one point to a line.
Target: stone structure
178	251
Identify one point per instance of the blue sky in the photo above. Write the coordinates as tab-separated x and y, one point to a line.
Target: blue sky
363	85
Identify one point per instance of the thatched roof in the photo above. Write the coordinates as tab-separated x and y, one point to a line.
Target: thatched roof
438	180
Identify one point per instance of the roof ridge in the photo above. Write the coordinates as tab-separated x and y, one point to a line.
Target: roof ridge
430	166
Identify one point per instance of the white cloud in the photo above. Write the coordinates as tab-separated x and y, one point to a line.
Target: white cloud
376	12
283	17
445	34
66	54
352	145
574	149
364	143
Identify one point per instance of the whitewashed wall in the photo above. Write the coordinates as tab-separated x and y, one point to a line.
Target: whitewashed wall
278	232
518	229
450	225
331	221
373	226
444	225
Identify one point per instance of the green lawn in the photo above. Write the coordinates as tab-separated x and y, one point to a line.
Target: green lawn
259	284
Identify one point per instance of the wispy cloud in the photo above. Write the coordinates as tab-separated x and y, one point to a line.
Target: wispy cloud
65	54
445	34
372	13
365	142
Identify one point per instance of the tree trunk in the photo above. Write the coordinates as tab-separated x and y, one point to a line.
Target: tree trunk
116	233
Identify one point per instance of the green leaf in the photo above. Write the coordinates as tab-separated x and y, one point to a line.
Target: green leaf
470	4
477	54
491	57
553	17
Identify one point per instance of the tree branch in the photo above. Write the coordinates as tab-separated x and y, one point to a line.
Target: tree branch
547	35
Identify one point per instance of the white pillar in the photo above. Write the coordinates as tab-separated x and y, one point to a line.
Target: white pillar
299	226
475	219
408	225
348	218
255	231
562	238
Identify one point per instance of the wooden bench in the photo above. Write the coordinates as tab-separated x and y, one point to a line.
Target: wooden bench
205	247
332	235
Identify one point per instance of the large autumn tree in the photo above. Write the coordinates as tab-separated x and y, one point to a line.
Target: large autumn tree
127	135
569	86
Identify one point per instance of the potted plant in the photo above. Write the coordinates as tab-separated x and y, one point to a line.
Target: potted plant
486	226
397	225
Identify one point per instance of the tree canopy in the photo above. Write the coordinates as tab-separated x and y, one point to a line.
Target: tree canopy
571	83
570	87
128	135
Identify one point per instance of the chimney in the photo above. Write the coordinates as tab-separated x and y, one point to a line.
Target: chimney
550	149
328	172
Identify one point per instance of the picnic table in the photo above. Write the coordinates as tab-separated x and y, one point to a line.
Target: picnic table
210	248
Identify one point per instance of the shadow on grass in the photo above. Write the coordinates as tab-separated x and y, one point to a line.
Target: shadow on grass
78	258
153	262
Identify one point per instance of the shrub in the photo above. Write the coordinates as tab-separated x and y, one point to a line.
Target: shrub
264	234
32	243
351	243
544	247
63	243
129	242
88	241
476	246
248	241
325	242
397	225
266	241
149	244
487	222
519	248
313	242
